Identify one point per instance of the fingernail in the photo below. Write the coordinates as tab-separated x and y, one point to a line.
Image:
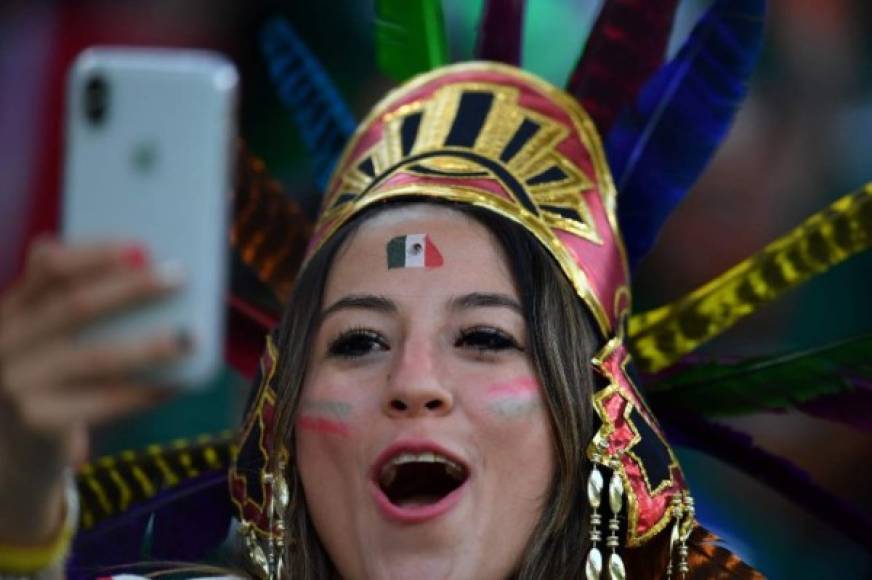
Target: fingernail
135	257
171	273
184	340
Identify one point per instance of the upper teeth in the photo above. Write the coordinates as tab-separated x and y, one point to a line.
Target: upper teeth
389	471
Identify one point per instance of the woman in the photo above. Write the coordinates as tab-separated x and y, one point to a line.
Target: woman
448	395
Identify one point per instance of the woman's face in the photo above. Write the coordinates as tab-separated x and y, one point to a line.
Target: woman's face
422	440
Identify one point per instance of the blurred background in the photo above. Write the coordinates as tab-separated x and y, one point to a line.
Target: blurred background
802	139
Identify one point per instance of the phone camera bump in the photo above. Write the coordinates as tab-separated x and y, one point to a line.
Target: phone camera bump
96	102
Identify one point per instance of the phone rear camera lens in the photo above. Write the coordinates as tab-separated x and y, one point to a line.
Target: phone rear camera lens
96	100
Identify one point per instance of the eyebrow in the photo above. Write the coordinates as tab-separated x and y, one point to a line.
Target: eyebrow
387	306
485	300
360	302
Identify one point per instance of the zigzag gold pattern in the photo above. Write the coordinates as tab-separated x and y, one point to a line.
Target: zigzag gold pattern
661	336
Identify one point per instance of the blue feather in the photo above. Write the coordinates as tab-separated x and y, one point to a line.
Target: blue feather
659	146
322	117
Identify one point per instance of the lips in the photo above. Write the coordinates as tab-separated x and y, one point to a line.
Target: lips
414	482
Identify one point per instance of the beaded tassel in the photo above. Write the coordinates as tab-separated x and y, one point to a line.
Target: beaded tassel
255	552
268	480
594	566
684	534
279	506
616	497
674	535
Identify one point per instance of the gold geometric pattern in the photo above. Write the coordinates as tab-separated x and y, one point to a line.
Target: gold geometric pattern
552	183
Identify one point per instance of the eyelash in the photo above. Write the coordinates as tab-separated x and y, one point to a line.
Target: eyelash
355	343
487	339
358	342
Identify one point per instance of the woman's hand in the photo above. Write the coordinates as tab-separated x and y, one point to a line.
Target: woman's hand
53	387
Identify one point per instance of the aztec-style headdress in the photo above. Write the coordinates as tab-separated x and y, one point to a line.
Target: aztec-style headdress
592	174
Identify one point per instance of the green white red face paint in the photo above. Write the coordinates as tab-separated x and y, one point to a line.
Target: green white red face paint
413	251
323	416
515	398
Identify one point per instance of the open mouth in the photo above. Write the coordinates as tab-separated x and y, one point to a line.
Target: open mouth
420	479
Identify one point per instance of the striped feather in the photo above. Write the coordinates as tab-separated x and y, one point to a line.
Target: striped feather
269	231
708	559
113	485
183	523
501	32
627	44
322	117
409	37
659	337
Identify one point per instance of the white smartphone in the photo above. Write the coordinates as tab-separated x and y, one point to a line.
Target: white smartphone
149	149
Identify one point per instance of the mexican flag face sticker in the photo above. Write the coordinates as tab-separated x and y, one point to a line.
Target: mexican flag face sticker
413	251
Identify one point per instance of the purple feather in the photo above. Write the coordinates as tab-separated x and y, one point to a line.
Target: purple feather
501	31
189	528
852	407
739	450
191	519
659	146
627	44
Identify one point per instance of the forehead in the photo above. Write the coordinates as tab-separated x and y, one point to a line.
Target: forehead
472	259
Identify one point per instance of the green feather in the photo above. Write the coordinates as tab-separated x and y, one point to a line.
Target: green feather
409	37
777	382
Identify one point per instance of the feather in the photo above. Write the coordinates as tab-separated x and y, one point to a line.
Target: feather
269	230
661	336
626	45
321	116
852	407
739	450
189	527
116	485
501	31
715	388
170	486
708	559
660	145
409	37
123	538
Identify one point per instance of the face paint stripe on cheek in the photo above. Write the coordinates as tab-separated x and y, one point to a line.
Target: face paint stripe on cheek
514	398
323	416
518	386
321	425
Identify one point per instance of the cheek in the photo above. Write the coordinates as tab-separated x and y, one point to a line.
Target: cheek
327	424
516	431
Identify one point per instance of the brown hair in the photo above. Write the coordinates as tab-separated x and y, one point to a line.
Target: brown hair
561	342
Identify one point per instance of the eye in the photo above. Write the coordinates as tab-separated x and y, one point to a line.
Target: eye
485	338
356	342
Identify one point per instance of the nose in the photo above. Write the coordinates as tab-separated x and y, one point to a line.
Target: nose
414	387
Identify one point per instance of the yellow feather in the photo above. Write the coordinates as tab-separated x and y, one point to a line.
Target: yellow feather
661	336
